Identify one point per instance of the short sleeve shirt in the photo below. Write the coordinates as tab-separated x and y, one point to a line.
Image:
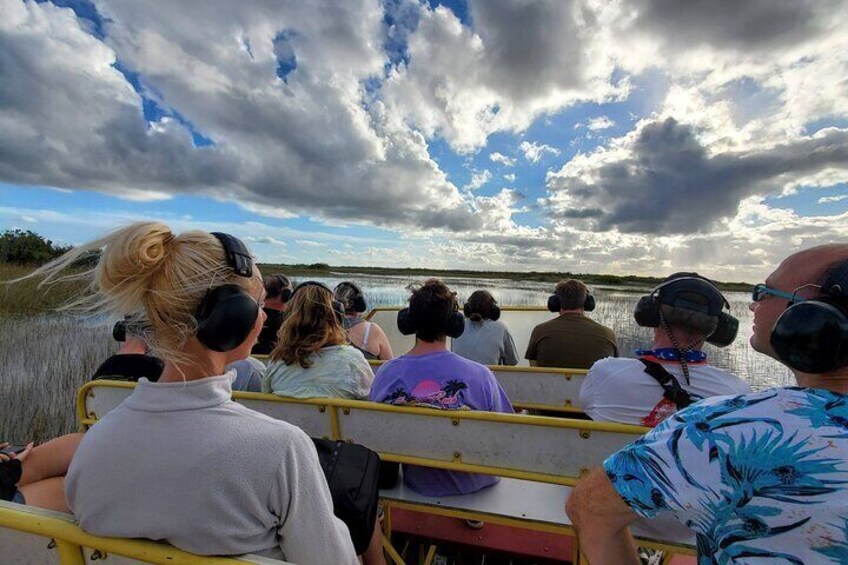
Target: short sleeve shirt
759	478
445	381
337	371
619	390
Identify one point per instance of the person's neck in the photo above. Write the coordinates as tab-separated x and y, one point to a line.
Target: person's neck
572	311
132	347
199	363
425	347
834	382
662	341
275	304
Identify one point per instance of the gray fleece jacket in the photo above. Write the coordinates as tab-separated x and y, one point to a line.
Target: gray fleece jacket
184	463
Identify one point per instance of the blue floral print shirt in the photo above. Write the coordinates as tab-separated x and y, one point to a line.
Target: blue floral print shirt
759	478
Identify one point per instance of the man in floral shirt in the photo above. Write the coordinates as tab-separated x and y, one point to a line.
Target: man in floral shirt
758	478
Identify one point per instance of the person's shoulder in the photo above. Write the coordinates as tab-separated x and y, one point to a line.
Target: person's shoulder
264	426
391	365
729	379
377	329
613	365
766	401
347	351
547	324
468	364
600	327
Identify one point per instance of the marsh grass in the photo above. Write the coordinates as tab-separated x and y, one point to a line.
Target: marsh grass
26	298
45	358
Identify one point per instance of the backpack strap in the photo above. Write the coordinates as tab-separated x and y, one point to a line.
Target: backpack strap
672	390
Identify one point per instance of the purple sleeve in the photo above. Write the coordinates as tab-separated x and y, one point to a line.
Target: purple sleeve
380	385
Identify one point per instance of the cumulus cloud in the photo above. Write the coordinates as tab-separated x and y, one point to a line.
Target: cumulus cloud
661	179
478	180
517	62
329	110
830	199
291	145
533	152
599	123
502	159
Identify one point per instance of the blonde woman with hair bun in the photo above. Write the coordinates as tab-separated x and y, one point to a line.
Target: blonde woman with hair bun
179	460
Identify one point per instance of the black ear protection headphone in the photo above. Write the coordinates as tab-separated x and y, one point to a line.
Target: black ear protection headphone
554	304
227	313
285	288
119	330
454	323
357	300
673	293
338	307
811	336
494	313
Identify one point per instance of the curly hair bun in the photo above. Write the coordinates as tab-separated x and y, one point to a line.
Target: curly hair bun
137	251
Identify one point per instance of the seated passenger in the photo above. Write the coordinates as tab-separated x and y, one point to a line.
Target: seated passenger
278	291
485	339
36	475
178	460
572	339
248	374
433	377
133	360
367	337
686	311
760	477
313	358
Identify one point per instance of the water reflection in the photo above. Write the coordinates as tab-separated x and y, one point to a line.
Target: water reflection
46	359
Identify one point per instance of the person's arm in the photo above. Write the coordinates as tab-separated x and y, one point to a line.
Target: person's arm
309	532
614	339
498	400
364	376
266	378
532	347
601	518
385	352
510	356
588	389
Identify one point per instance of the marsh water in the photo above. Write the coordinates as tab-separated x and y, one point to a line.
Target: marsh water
45	359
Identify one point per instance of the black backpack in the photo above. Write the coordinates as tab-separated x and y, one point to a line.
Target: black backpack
352	472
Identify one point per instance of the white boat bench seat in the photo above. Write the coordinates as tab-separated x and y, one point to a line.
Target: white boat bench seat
33	536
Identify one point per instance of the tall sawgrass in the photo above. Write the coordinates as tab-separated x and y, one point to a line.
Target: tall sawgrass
43	361
25	298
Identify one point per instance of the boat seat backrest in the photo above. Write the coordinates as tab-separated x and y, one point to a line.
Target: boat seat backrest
555	450
542	388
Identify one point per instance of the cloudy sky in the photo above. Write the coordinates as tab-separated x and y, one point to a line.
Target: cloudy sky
584	135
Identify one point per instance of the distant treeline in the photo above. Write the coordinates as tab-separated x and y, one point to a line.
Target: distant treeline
21	247
29	249
323	269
